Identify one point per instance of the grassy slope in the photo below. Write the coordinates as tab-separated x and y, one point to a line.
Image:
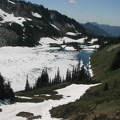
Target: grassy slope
97	104
38	95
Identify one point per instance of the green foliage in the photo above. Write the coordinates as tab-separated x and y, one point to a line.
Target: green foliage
27	86
6	91
77	75
106	87
116	62
43	80
105	41
2	83
68	76
101	102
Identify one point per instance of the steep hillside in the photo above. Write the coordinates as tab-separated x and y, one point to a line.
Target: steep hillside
103	101
95	29
29	22
112	30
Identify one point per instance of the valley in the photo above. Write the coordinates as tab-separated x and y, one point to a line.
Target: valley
53	67
17	63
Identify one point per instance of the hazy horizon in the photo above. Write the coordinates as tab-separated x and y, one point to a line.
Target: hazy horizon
100	11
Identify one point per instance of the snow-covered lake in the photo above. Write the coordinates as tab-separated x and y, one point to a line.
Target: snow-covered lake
16	63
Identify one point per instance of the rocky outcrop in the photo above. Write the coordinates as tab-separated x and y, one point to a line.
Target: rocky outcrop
7	37
37	22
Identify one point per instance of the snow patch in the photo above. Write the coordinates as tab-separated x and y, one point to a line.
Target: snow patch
11	2
71	33
54	26
67	40
70	48
28	19
11	18
36	15
93	40
73	91
23	97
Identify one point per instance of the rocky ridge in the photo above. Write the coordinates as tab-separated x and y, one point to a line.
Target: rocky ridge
29	22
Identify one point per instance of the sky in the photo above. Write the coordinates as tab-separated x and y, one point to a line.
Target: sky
100	11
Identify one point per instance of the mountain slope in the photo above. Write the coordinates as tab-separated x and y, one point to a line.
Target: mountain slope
96	29
112	30
30	22
100	102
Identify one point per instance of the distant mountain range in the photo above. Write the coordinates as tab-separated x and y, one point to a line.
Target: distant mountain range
96	29
23	24
102	29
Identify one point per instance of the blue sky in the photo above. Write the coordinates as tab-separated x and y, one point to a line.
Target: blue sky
101	11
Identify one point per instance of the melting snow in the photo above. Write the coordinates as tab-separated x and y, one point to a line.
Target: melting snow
11	18
36	15
73	91
70	48
18	62
93	40
54	26
23	97
81	40
71	33
11	2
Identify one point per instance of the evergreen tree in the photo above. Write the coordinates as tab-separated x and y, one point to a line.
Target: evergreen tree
38	83
55	79
27	86
68	76
6	91
73	74
58	78
1	86
43	80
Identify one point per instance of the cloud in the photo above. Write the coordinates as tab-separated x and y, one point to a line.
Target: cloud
72	1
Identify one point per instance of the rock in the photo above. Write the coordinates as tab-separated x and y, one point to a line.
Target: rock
25	114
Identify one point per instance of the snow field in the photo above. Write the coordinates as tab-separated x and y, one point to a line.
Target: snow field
73	91
18	62
11	18
36	15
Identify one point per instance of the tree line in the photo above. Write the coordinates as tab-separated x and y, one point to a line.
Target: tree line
78	75
6	91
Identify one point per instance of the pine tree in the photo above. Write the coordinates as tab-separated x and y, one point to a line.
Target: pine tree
38	82
55	79
2	82
73	74
43	80
58	78
68	76
27	86
6	90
